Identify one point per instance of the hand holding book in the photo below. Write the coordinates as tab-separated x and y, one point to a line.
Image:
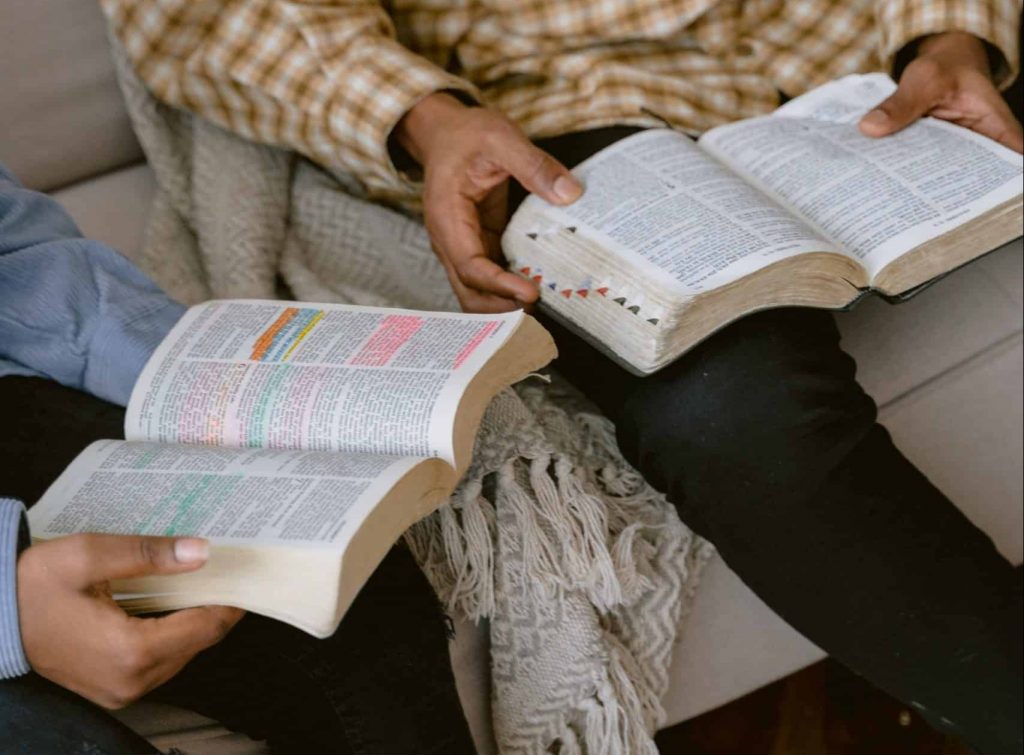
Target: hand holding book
950	78
468	155
674	239
301	440
76	635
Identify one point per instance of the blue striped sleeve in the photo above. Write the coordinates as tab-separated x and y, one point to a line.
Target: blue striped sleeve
13	537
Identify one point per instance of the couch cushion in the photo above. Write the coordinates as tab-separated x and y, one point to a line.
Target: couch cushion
169	727
963	430
730	644
901	347
61	114
112	208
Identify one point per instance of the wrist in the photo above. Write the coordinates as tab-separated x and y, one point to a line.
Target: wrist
418	130
960	47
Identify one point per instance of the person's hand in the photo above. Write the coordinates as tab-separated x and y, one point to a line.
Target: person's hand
75	635
468	155
949	79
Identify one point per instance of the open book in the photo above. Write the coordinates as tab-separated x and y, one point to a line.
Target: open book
673	239
301	439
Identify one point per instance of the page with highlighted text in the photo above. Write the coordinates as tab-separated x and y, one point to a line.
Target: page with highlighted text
229	495
324	377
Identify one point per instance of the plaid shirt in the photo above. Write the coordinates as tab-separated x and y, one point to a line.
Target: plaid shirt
331	78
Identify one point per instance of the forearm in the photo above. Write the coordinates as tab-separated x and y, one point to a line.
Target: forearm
71	309
328	80
13	537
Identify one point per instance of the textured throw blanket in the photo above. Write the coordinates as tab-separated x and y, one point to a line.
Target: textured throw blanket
582	570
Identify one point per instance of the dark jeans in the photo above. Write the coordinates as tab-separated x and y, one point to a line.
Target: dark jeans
382	684
766	444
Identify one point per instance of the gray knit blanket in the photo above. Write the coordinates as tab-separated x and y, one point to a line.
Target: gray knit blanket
581	569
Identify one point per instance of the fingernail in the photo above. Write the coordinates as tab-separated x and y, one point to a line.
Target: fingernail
875	118
191	550
567	189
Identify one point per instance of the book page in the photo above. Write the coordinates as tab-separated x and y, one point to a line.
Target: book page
876	198
661	203
271	374
243	496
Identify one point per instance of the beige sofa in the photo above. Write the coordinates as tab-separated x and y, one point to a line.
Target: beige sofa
945	367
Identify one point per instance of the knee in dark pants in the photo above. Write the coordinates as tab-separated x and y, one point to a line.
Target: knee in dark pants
763	408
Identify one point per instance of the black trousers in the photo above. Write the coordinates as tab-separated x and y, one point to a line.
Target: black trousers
767	446
382	684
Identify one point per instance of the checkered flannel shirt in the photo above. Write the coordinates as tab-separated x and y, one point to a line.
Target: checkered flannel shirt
332	78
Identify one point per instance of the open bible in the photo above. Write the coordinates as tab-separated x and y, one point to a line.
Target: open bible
301	439
673	239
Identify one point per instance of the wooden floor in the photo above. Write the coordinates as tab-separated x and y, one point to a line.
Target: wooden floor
823	710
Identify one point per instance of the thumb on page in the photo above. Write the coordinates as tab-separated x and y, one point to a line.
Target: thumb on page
88	559
898	111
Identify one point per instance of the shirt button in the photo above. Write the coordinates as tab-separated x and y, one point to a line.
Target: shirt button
745	49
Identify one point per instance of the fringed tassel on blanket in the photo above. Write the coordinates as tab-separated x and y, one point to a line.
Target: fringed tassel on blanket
576	526
565	538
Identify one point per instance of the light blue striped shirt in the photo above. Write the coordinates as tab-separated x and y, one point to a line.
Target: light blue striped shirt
72	310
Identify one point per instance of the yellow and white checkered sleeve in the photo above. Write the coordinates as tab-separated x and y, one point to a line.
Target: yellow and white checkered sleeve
327	79
900	22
